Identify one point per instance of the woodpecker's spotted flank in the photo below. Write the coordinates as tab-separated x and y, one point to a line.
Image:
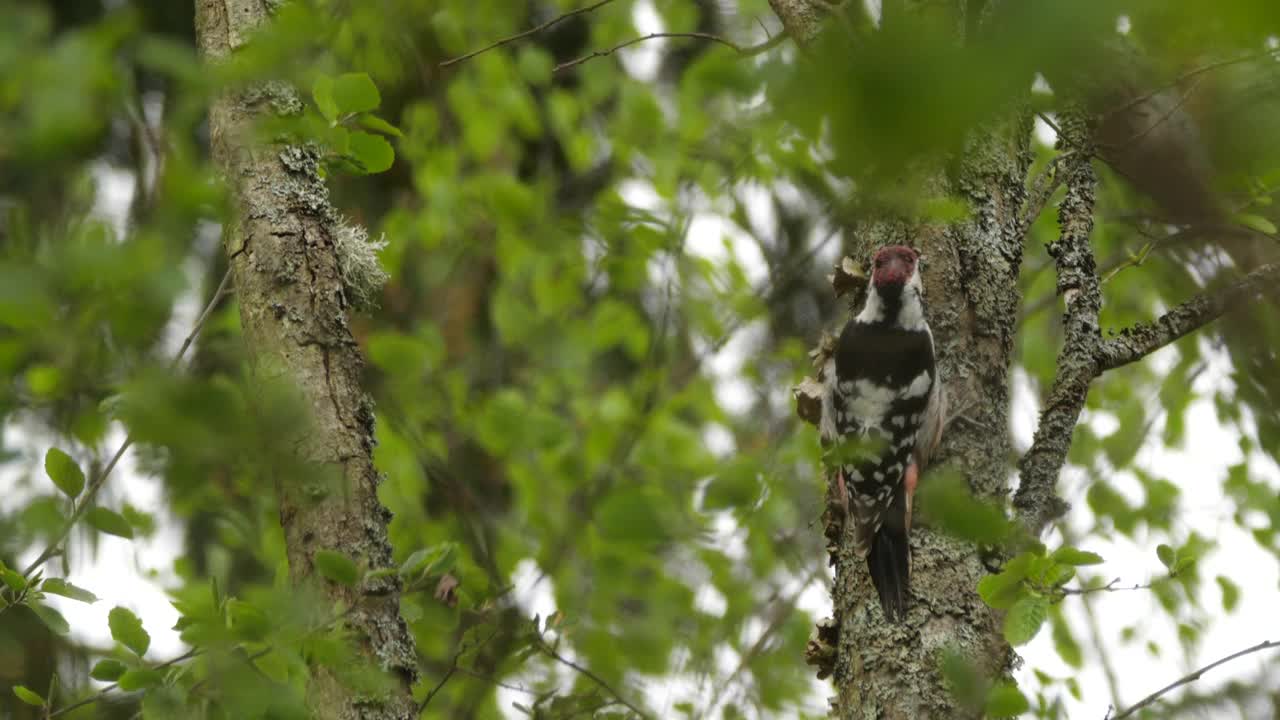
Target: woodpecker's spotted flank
882	415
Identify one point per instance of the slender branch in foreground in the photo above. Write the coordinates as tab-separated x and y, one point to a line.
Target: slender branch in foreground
1192	677
1037	500
1113	586
781	613
1137	342
1187	76
104	691
100	479
591	676
745	51
521	35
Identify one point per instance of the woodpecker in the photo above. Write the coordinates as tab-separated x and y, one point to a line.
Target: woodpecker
882	407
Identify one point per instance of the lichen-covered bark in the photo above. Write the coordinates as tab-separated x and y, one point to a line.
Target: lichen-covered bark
1134	343
971	292
1037	500
293	310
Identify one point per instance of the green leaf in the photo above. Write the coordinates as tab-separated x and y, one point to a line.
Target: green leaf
108	670
337	567
1230	593
355	93
951	506
322	93
64	472
127	630
1058	575
1006	700
28	696
109	522
1256	222
1065	643
140	679
1166	555
13	579
1024	619
58	586
273	665
436	560
628	516
735	486
1072	556
377	124
372	152
1002	590
51	618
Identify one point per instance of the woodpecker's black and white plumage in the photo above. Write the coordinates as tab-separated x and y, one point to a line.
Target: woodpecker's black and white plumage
881	394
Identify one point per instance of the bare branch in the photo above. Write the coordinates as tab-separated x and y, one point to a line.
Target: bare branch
1137	342
106	690
521	35
1192	677
100	479
1036	500
591	676
1113	586
741	50
453	667
1137	100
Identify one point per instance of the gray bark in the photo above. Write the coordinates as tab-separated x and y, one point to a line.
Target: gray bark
1037	500
972	297
293	310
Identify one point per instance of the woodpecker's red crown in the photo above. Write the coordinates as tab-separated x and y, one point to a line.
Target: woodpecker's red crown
893	265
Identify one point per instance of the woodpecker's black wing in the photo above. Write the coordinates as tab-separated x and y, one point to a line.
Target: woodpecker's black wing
884	380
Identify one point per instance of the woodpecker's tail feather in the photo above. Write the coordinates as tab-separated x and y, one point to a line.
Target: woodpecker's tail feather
889	563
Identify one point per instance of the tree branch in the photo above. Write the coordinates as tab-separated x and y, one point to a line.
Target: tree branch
1192	677
106	690
521	35
1113	586
741	50
1137	342
1037	501
1139	99
95	485
591	676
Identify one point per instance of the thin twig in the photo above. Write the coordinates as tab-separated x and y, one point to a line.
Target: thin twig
100	479
1112	586
1182	100
521	35
1192	677
204	317
585	672
781	613
1187	76
489	678
103	693
1047	121
744	51
453	667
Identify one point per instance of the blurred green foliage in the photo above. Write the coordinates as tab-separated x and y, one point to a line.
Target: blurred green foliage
546	360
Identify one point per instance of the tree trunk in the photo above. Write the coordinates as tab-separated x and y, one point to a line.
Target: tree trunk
293	311
972	298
